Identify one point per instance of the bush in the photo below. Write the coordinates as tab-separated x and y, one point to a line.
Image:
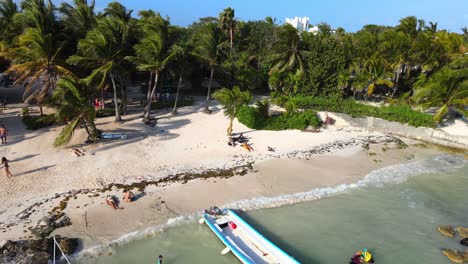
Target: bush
36	122
400	113
252	118
105	112
170	104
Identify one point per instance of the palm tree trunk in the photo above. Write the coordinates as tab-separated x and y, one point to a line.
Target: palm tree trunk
174	111
148	103
116	104
207	109
41	110
123	91
229	130
148	94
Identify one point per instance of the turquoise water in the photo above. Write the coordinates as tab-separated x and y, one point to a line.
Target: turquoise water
393	212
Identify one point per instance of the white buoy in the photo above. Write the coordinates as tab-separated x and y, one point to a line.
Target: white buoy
225	251
201	221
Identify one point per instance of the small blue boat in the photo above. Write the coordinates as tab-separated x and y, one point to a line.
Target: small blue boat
248	245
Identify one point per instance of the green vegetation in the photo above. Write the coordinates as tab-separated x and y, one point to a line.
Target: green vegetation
413	62
253	118
37	122
232	101
399	113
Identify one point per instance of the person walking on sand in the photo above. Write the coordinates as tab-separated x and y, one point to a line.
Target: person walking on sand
6	166
3	134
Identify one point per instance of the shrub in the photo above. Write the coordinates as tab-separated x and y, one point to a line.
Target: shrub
105	112
399	113
252	118
36	122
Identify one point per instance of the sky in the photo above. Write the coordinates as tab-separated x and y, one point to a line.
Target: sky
349	14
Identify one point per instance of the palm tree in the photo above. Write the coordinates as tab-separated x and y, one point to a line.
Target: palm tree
117	10
152	52
445	89
179	67
73	103
8	9
78	18
36	58
208	48
227	23
103	51
232	101
288	54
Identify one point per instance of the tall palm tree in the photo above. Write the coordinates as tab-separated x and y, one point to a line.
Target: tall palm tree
179	67
445	89
36	58
103	51
117	10
227	23
288	54
79	18
208	45
8	9
232	101
152	52
73	103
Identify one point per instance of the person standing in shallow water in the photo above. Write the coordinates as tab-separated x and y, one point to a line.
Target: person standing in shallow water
160	260
6	166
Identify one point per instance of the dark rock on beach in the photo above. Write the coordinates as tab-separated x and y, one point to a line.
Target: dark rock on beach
49	223
464	242
35	251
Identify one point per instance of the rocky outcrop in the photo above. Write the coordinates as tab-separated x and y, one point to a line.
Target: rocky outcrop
453	255
48	224
35	251
462	231
431	135
464	242
446	230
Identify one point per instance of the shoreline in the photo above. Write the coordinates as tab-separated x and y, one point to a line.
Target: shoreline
184	201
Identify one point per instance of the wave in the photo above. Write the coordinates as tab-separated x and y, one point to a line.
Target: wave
395	174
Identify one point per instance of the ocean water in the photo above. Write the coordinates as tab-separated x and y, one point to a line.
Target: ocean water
393	212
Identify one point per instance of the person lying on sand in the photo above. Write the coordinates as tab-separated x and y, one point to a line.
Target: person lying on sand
231	142
128	196
271	149
77	152
111	202
247	147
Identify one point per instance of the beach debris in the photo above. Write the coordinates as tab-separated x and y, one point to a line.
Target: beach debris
464	242
446	230
453	255
462	231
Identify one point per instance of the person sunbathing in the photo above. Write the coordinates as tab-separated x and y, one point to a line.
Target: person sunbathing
247	147
128	196
111	202
271	149
77	152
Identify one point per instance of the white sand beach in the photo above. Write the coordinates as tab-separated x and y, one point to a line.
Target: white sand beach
188	142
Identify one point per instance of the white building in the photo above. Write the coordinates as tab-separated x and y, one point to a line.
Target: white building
302	23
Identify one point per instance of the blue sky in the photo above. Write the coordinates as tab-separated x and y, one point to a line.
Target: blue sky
349	14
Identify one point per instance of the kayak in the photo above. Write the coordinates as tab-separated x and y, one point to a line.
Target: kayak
246	243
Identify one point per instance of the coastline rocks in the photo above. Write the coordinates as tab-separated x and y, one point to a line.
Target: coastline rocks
462	231
464	242
35	251
48	224
446	230
453	255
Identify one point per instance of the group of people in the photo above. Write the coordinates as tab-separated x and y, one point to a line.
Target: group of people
3	134
128	197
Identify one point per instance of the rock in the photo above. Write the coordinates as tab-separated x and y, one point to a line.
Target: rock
463	242
62	222
3	243
465	256
462	231
453	255
40	258
446	230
